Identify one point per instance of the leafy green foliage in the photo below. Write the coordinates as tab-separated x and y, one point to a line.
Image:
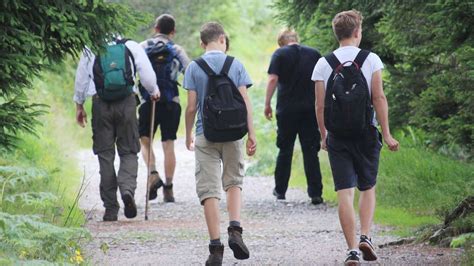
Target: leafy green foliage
36	34
28	238
427	48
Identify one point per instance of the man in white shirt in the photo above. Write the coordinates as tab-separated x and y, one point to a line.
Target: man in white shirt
354	159
114	122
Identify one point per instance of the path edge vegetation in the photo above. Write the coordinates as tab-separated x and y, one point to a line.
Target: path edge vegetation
40	185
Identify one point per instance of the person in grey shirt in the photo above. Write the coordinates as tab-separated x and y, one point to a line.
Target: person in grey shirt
168	109
114	124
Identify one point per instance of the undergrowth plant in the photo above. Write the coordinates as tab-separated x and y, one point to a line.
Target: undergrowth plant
31	228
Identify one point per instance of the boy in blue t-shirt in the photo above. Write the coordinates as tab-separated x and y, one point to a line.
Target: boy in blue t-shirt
210	155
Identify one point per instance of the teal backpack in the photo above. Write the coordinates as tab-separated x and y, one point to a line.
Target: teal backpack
113	73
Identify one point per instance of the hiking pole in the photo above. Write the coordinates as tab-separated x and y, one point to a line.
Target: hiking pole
152	124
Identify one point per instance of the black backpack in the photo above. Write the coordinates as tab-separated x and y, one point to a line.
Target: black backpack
348	110
113	72
224	112
163	60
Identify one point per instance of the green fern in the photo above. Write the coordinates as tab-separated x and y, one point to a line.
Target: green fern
31	239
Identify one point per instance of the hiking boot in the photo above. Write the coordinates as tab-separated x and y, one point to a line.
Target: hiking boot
215	256
278	195
168	195
367	248
110	216
317	200
130	209
353	258
236	243
155	184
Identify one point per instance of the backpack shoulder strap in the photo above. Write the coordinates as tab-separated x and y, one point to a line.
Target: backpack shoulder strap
332	60
227	63
204	66
361	56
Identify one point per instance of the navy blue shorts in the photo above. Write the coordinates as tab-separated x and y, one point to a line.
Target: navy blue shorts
167	116
355	163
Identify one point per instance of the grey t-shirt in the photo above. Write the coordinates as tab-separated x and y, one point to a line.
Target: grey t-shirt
196	79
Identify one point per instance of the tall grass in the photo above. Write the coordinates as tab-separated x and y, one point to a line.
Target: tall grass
40	183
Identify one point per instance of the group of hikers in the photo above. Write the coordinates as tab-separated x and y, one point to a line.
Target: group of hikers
332	103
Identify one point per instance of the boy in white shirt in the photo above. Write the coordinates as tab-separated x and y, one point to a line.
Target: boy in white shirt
353	158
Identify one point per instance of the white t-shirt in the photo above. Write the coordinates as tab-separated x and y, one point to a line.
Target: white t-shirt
322	70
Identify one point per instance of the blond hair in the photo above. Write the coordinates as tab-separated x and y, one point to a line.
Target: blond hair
345	23
286	36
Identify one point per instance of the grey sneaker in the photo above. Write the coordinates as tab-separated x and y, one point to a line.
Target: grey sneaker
353	258
236	243
367	248
215	256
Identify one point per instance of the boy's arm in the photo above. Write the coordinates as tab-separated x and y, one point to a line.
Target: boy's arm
190	115
271	86
381	108
320	95
251	140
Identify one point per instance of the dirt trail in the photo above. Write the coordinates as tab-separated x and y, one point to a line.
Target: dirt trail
284	232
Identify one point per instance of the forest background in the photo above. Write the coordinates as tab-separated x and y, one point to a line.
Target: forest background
428	80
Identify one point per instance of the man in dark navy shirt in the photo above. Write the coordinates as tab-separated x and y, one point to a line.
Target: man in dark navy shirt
290	71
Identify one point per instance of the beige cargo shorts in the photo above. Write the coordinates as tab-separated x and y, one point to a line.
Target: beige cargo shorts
218	164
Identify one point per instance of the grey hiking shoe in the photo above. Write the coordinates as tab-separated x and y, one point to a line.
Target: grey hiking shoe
367	248
215	256
155	184
130	208
168	195
353	258
236	243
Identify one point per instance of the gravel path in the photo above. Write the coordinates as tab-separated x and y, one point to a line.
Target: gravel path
291	232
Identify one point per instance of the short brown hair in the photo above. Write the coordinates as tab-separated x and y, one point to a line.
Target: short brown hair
165	24
211	31
345	23
287	35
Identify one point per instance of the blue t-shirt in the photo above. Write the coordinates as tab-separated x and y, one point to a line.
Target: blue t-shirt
196	79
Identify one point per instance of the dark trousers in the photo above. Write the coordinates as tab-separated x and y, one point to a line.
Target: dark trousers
115	124
304	125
